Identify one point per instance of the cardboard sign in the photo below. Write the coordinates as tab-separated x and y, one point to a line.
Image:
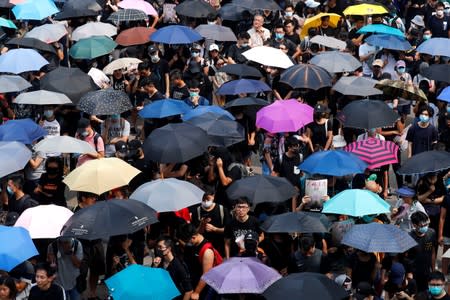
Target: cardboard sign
316	189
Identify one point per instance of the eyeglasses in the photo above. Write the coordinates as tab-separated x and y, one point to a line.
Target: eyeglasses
161	248
242	207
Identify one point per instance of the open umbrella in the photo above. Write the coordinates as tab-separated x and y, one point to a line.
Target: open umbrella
34	10
78	8
109	218
13	83
257	4
293	222
92	47
236	87
426	162
132	283
21	60
230	12
169	194
368	114
105	102
444	95
19	247
194	9
63	144
315	21
33	43
93	29
381	29
365	9
22	130
389	41
241	275
135	36
375	152
124	63
7	23
241	70
375	237
42	97
124	15
336	61
140	5
333	163
44	221
260	54
438	72
216	32
356	86
306	76
435	46
48	33
356	203
218	125
176	34
6	4
262	188
247	101
200	110
14	157
329	42
401	89
284	116
164	108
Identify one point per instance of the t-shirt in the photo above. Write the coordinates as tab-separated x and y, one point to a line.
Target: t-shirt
52	127
421	254
235	229
364	50
288	168
99	148
54	187
319	132
180	275
439	27
159	70
67	273
180	93
117	129
446	205
422	138
235	53
54	292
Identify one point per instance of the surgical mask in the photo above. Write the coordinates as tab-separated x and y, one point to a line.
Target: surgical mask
439	13
401	70
424	118
423	229
435	290
193	94
115	117
84	134
244	45
52	171
48	113
207	204
159	253
9	190
279	36
289	13
211	23
154	58
426	36
195	54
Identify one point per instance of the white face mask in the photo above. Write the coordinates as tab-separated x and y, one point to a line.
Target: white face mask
207	203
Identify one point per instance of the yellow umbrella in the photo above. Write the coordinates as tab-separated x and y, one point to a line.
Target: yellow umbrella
365	9
316	22
100	175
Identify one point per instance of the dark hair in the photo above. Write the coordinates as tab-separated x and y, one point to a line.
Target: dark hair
243	200
279	25
306	243
148	81
419	217
427	108
45	266
143	66
291	141
186	231
11	284
289	4
194	84
208	189
243	35
176	74
82	195
18	181
436	275
57	160
287	22
211	17
168	242
440	4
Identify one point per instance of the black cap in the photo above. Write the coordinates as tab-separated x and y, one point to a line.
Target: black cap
363	290
121	147
320	108
134	146
152	49
83	123
251	236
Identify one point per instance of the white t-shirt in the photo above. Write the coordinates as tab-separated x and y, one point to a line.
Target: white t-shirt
364	50
52	127
117	128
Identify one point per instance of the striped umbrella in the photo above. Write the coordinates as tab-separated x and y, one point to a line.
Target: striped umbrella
374	152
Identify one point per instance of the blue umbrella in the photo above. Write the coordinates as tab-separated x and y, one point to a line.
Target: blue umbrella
21	60
164	108
175	34
388	41
16	247
235	87
356	203
24	130
382	29
375	237
132	283
334	163
7	23
200	110
14	156
35	10
444	95
435	46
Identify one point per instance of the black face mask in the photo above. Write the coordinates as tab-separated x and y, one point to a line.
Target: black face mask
159	253
52	171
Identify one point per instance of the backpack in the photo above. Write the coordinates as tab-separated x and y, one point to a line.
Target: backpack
242	169
217	257
221	211
96	136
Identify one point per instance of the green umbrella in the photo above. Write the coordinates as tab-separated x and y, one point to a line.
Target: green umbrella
92	47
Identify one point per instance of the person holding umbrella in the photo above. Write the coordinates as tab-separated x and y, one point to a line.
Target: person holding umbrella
114	129
405	207
86	133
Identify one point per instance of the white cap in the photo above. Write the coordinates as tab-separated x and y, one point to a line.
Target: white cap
312	3
213	47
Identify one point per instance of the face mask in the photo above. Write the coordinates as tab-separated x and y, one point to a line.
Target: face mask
159	253
48	113
195	54
426	36
401	70
289	13
115	117
211	23
193	94
435	290
279	36
423	229
9	190
439	13
424	119
154	58
207	204
52	171
189	244
244	45
84	134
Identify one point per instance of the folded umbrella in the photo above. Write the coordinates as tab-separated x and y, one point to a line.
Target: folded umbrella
236	87
216	32
93	29
328	41
105	102
375	152
123	15
247	101
389	41
241	70
356	86
401	89
438	72
140	5
277	59
435	47
14	157
368	114
293	222
200	110
336	61
22	130
42	97
381	29
13	83
333	163
7	23
92	47
21	60
135	36
316	20
426	162
365	9
48	33
194	9
164	108
257	4
33	43
63	144
176	34
19	247
124	63
34	10
306	76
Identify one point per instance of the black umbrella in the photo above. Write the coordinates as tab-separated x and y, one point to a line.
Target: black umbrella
109	218
176	143
241	70
293	222
231	12
247	101
262	188
123	15
426	162
368	114
306	76
6	4
78	8
105	102
72	82
311	286
440	72
321	217
33	43
257	4
194	9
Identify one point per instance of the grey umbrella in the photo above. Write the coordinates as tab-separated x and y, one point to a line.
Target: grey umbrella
105	102
357	86
216	32
12	83
336	62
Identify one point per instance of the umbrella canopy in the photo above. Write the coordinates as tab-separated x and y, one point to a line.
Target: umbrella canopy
142	5
176	143
438	72
284	116
124	63
194	9
44	221
200	110
375	152
311	286
164	108
21	60
6	4
389	41
176	34
14	157
306	76
48	33
260	54
7	23
27	42
78	8
365	9
315	21
109	218
236	87
63	144
247	101
124	15
22	130
19	247
356	86
169	194
401	89
426	162
293	222
381	29
135	36
230	12
368	114
262	188
241	275
333	163
105	102
356	203
257	4
336	61
218	125
13	83
93	29
70	81
329	41
241	70
133	283
435	47
216	32
42	97
444	95
34	10
92	47
375	237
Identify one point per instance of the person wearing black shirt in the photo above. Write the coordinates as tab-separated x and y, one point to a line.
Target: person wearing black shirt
119	82
51	187
289	27
234	54
180	90
439	22
160	70
45	289
15	198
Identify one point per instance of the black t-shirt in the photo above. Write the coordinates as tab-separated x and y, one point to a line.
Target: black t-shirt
55	188
362	270
439	27
422	138
236	53
288	168
159	70
421	254
319	132
446	205
235	229
294	38
180	93
54	292
180	275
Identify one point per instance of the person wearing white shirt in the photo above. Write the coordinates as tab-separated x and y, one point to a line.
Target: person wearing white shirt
258	34
366	53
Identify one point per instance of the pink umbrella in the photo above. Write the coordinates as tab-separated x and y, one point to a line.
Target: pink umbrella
140	5
374	152
284	116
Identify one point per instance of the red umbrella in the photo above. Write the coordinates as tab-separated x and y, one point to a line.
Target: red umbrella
135	36
374	152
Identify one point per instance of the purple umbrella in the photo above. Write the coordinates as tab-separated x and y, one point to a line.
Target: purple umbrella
241	275
284	116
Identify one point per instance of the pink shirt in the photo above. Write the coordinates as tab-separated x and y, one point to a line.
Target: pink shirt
100	148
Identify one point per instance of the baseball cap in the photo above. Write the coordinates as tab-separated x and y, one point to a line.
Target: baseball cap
251	236
320	108
312	3
378	62
397	273
363	290
196	47
83	123
121	147
344	281
213	47
400	63
133	146
406	192
446	4
152	49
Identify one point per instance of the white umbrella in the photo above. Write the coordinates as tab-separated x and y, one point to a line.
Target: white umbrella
42	97
125	63
48	33
168	194
63	144
13	83
329	42
269	56
44	221
100	78
13	157
93	29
